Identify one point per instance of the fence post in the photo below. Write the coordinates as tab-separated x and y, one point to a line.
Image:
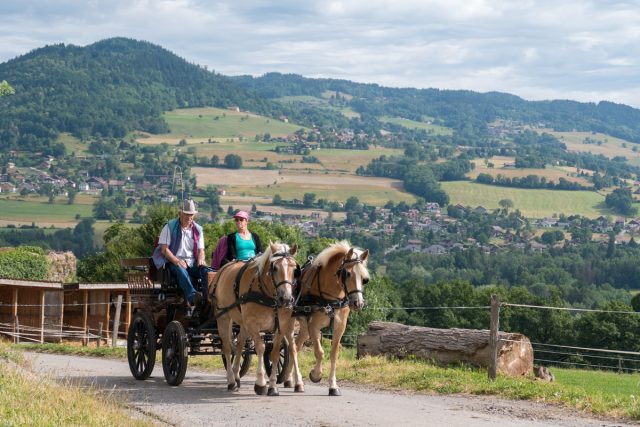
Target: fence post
16	337
493	336
116	322
99	335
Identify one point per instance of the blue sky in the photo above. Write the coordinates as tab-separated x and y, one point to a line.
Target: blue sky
582	50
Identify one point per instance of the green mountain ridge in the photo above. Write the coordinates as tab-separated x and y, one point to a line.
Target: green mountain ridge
118	85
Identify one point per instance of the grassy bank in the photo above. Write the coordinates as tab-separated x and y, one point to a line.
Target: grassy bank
29	400
600	393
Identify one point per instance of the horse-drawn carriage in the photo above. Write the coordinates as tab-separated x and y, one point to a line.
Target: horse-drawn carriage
162	320
267	293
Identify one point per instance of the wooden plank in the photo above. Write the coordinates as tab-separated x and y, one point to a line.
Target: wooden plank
85	312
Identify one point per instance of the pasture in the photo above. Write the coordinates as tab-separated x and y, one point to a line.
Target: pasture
550	173
39	211
260	183
531	203
218	123
412	124
610	146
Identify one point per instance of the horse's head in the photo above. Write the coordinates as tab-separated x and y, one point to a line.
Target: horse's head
353	275
282	271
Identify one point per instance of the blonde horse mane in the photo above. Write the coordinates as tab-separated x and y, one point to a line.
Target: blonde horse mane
264	259
341	249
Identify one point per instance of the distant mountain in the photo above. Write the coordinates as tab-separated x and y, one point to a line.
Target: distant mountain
461	110
107	89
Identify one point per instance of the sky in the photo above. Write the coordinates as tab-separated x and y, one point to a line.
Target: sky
586	51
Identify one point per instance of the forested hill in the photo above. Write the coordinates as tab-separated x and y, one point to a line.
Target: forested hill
107	89
465	111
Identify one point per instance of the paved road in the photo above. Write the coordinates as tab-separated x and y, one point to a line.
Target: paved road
202	400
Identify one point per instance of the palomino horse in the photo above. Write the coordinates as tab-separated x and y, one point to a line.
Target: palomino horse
257	295
330	286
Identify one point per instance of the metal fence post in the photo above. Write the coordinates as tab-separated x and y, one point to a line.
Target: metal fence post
493	336
99	335
116	322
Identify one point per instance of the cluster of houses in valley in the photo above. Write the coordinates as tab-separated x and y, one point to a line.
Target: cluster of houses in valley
432	222
33	180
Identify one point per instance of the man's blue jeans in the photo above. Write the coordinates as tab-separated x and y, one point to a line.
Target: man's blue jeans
184	277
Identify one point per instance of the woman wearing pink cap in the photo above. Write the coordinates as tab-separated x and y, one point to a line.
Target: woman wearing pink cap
243	244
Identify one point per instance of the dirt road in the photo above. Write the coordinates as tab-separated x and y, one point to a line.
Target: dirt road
202	400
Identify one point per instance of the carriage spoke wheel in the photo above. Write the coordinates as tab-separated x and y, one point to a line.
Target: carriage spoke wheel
283	360
247	354
174	353
141	346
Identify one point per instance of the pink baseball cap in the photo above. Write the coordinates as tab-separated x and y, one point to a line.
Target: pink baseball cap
241	214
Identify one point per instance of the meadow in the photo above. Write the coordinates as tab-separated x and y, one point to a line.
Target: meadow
531	203
412	124
551	173
610	146
43	214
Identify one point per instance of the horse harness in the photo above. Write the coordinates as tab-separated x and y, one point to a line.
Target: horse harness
259	297
310	304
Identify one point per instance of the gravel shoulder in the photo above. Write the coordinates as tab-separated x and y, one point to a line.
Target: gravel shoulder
202	400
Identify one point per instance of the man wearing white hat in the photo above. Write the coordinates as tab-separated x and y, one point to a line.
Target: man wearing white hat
182	244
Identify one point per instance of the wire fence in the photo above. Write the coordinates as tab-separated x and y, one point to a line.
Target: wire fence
545	353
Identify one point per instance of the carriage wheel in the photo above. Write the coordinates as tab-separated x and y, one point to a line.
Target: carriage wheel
245	363
175	353
283	361
141	346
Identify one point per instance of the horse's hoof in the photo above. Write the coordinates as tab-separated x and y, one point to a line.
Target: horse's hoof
288	384
314	379
335	392
232	387
261	390
237	385
273	392
299	388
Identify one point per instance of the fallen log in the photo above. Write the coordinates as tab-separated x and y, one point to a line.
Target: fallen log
515	353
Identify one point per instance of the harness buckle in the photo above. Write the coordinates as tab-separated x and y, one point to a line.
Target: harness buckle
328	309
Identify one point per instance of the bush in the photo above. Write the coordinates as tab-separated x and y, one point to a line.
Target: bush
24	262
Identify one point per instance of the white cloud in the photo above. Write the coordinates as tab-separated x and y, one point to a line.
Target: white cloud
537	49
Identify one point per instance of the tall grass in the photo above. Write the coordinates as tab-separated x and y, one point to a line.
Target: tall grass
27	399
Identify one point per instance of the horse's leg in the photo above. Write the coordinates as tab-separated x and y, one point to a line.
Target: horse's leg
224	329
294	367
315	331
275	358
260	386
242	338
293	356
339	326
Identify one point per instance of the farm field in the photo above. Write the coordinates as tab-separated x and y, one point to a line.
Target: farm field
266	183
551	173
532	203
43	214
412	124
610	146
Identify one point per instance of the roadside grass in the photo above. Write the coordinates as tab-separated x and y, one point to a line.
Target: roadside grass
28	399
596	392
531	203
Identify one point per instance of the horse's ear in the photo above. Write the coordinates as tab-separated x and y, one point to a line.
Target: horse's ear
349	254
293	249
364	255
273	246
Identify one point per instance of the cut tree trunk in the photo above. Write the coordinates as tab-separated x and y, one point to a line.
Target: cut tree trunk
515	354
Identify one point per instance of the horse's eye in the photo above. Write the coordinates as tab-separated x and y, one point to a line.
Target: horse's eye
365	281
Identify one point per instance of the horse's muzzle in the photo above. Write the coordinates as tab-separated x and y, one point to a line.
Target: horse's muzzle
356	302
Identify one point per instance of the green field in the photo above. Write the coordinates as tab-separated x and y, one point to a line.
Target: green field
220	123
412	124
532	203
27	211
